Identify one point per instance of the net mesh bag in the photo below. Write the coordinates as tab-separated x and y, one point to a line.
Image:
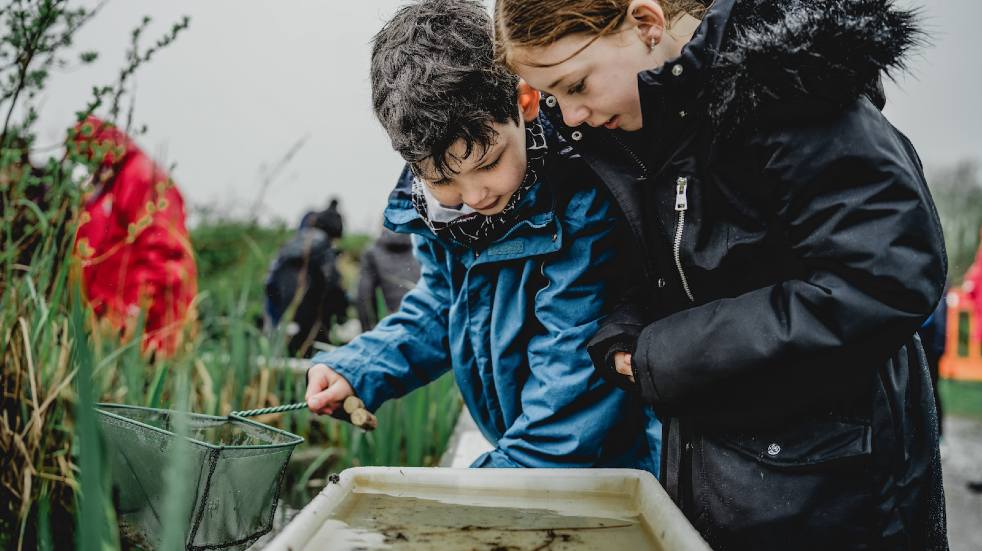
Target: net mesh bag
237	469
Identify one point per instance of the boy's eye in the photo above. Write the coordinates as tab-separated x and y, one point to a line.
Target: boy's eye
577	88
491	165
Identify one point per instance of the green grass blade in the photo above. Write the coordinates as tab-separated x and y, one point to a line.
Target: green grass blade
156	389
175	520
93	527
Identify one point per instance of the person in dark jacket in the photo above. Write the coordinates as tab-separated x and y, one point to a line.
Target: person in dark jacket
788	249
388	266
304	278
328	220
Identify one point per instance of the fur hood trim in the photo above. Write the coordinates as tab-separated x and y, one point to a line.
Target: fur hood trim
768	53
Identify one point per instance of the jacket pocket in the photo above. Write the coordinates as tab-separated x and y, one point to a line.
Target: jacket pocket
806	487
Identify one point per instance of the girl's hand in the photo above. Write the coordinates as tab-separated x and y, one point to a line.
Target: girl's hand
622	363
326	390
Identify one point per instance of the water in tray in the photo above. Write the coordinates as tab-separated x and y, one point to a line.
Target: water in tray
381	521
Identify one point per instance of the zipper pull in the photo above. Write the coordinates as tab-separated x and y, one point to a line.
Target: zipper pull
681	202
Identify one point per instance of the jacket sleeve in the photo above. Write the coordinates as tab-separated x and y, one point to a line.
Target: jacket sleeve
848	195
407	349
568	411
625	317
367	283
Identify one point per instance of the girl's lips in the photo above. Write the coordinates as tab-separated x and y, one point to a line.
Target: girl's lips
612	122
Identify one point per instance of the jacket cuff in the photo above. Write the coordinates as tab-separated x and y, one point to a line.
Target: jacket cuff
641	365
609	370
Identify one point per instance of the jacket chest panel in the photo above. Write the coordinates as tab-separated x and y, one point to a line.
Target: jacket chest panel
718	247
493	304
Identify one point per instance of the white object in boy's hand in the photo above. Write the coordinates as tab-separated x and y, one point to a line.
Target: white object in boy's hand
326	390
622	363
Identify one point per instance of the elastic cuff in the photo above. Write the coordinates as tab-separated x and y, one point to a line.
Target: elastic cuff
610	369
641	366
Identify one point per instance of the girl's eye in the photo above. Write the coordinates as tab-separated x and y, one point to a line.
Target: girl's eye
578	87
490	166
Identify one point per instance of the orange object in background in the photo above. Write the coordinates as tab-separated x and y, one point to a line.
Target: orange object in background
962	358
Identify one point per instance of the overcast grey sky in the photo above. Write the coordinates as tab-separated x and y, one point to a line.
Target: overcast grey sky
250	77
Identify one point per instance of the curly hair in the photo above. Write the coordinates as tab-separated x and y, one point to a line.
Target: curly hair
435	82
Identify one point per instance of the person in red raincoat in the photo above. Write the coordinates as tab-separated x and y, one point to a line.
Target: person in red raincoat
973	288
132	241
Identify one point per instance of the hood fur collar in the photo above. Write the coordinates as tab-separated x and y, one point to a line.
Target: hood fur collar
783	55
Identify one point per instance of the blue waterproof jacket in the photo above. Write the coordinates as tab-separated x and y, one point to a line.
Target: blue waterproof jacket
512	321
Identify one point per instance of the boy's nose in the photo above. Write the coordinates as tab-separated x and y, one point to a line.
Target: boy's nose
475	197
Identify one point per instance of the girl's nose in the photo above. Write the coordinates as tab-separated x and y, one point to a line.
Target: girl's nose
575	114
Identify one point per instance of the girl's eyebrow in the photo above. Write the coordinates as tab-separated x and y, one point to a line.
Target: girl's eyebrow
558	82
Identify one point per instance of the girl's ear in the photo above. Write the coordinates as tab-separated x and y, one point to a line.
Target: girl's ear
648	19
528	100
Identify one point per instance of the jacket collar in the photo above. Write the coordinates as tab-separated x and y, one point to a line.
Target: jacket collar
678	90
402	217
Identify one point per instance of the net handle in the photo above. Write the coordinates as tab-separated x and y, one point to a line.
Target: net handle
265	411
353	411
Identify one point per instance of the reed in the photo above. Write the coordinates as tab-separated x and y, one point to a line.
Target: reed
58	361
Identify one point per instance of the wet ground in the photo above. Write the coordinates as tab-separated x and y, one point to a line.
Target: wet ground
962	463
284	514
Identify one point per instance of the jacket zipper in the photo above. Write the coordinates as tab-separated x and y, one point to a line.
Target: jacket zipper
631	154
681	205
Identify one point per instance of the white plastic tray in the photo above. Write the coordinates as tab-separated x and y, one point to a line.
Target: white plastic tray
437	508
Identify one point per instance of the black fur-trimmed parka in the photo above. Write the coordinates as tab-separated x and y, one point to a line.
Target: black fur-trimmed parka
789	248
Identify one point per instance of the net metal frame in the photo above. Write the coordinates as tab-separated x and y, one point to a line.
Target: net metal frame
155	442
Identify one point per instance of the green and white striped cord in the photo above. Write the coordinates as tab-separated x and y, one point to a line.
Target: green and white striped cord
265	411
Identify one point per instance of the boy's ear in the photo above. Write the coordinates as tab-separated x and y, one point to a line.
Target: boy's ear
648	19
528	100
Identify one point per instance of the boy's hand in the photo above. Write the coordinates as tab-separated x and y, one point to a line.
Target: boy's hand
622	364
326	390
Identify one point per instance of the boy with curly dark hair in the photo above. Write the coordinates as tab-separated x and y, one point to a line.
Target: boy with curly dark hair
514	244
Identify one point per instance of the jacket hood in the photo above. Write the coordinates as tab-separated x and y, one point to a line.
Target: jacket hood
753	56
100	141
